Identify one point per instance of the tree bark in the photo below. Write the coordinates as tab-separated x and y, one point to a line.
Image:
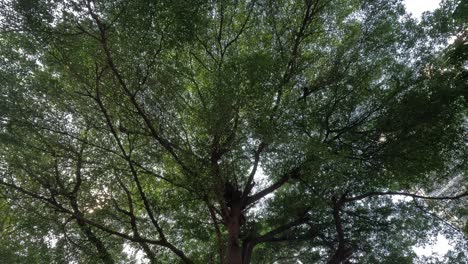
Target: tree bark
103	254
233	226
247	250
342	252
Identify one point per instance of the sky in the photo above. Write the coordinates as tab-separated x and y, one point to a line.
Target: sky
417	7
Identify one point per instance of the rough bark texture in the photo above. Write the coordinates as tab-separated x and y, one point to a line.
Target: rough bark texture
233	227
342	252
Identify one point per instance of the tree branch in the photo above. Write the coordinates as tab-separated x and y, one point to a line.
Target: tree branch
271	236
295	173
248	186
162	141
371	194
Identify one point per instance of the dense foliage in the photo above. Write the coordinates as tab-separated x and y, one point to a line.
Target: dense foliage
261	131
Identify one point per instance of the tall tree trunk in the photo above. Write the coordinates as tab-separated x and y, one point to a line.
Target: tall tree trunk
233	226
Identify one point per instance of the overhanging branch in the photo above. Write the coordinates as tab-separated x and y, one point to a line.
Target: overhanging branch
371	194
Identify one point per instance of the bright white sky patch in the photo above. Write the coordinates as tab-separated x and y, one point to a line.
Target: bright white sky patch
417	7
440	247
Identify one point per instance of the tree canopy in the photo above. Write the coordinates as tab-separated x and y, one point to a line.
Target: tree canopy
253	131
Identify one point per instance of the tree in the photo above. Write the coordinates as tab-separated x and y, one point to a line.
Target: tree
230	131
